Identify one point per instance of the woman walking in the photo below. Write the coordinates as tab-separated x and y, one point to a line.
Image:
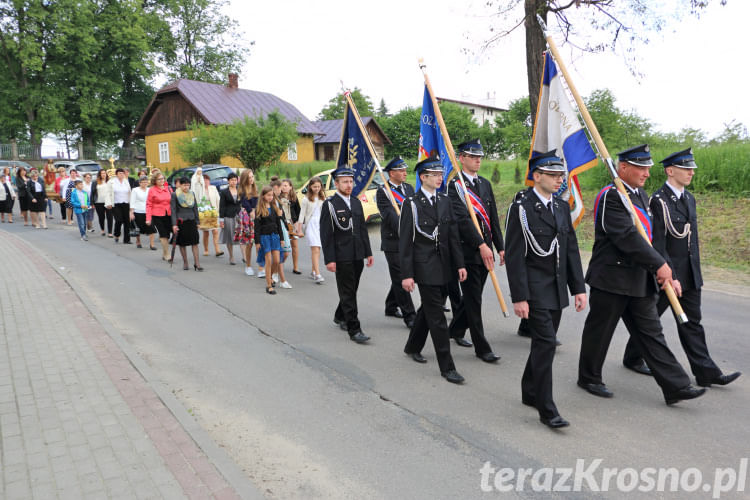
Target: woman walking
7	195
309	223
159	210
245	230
268	220
61	183
208	206
37	200
185	222
291	207
118	199
138	197
99	194
22	181
229	207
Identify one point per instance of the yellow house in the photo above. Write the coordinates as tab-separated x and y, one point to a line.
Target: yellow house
175	106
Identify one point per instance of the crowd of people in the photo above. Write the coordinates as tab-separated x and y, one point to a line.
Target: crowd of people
443	241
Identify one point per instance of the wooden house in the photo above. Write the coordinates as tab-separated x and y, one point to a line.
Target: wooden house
327	144
175	106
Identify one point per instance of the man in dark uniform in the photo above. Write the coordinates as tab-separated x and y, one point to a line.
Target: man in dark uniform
542	260
477	249
343	233
621	277
430	256
676	239
397	297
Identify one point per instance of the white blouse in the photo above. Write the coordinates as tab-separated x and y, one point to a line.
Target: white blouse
121	191
138	200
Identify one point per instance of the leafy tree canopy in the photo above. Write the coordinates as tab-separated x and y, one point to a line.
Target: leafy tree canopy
336	107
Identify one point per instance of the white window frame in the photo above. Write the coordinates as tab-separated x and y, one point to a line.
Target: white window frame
163	152
291	152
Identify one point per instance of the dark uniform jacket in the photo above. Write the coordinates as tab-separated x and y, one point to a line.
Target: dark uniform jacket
542	280
338	245
426	261
389	217
682	254
622	261
470	239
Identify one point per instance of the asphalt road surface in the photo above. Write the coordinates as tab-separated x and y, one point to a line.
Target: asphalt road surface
307	413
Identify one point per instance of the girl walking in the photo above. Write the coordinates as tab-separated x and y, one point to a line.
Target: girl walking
309	223
268	220
291	207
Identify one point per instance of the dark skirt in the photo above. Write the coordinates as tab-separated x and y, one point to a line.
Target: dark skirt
25	202
39	206
140	221
163	224
6	206
188	233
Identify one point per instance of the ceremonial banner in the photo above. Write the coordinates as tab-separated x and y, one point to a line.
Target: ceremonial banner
431	142
354	153
557	127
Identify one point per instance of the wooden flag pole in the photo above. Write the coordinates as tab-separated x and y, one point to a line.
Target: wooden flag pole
386	184
460	180
671	295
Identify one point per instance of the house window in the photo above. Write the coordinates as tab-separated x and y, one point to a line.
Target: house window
163	152
291	153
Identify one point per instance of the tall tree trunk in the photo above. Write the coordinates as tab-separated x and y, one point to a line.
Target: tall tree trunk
535	47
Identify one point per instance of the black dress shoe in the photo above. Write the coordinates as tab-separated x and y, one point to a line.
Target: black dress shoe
489	357
639	367
688	392
341	323
394	314
463	342
359	337
597	389
555	422
720	380
416	357
453	377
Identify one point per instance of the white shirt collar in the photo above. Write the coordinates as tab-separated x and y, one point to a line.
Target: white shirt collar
544	200
677	192
632	190
473	178
427	193
347	199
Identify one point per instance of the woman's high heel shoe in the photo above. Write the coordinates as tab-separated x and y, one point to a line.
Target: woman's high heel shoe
197	268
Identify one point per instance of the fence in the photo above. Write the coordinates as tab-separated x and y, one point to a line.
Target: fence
34	152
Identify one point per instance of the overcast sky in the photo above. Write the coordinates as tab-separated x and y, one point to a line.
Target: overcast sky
694	74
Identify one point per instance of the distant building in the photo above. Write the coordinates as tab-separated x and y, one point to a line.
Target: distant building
482	112
177	105
327	144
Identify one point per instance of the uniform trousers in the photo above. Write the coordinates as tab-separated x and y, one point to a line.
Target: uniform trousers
347	283
468	314
536	382
397	296
121	212
431	318
605	311
692	336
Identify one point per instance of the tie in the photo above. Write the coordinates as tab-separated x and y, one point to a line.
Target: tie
549	207
432	200
683	200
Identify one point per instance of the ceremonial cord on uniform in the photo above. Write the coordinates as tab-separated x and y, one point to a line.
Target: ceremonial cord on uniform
686	232
531	241
417	229
335	220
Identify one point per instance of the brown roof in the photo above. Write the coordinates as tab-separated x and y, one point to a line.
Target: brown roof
220	104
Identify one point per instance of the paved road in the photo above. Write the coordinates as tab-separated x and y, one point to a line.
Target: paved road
308	414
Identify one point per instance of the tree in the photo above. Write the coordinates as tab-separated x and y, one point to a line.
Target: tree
336	107
205	44
513	129
593	26
382	109
403	131
256	142
205	143
619	129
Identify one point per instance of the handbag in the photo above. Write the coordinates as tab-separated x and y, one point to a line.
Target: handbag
286	245
134	231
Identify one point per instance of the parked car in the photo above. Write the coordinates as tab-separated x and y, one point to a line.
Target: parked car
217	173
14	164
81	166
369	203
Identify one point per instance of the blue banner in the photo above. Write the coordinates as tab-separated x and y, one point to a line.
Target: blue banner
354	153
431	141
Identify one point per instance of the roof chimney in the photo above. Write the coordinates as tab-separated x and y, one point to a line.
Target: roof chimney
233	81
